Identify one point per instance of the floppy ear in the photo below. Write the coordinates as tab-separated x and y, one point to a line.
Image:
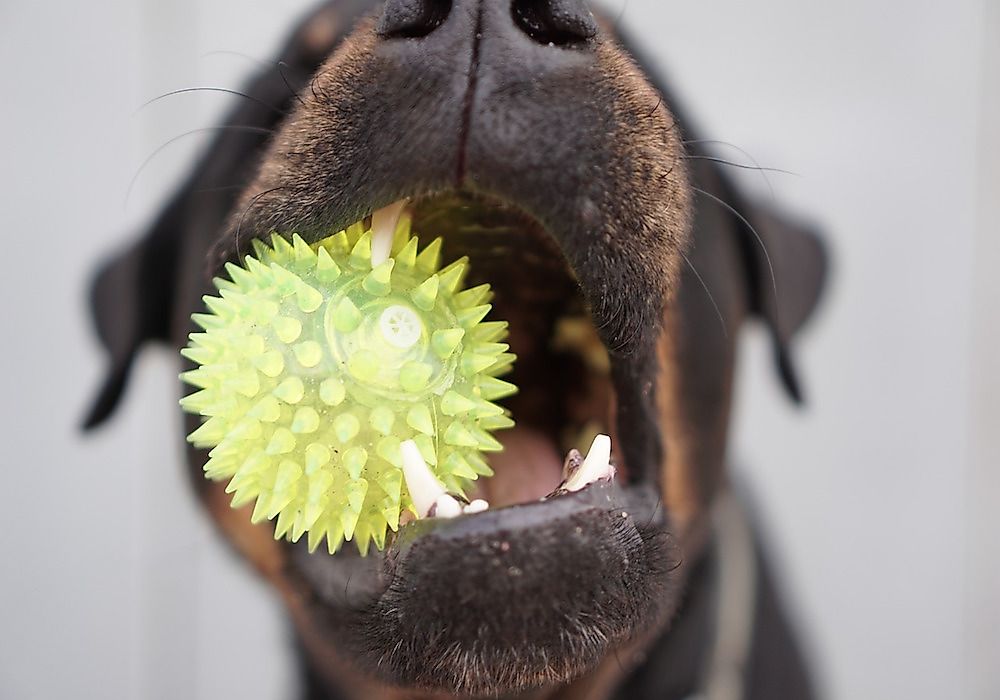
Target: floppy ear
134	294
131	301
786	269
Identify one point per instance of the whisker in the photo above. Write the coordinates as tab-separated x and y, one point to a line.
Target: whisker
718	311
279	66
284	78
211	89
222	127
723	161
222	188
312	89
659	504
248	57
746	154
659	102
246	210
760	241
627	342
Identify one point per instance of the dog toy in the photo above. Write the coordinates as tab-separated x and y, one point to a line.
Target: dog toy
317	362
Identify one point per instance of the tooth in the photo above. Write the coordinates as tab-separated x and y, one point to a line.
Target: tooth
384	223
446	507
596	466
477	506
424	488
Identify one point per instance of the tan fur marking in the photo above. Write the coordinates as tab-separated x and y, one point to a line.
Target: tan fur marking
255	542
680	492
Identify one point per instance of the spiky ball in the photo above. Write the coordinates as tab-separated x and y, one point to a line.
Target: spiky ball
314	365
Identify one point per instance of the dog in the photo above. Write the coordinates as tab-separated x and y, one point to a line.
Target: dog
534	138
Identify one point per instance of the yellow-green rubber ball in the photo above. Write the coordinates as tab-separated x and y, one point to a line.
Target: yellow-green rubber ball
315	364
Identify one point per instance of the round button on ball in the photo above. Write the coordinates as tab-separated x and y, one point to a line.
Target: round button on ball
401	327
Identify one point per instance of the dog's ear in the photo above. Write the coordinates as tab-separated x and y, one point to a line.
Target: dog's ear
134	294
131	300
786	268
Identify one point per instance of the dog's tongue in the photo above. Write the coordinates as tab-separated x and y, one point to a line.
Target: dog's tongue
528	469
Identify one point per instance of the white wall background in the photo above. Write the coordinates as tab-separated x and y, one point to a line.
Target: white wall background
882	499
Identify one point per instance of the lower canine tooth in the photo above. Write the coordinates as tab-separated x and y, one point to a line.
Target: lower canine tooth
477	506
596	466
446	507
425	490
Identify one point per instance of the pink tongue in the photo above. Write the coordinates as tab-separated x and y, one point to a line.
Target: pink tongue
529	468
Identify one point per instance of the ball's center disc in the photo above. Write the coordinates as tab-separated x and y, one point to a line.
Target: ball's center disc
401	327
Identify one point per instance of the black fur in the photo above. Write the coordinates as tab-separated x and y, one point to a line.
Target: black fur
552	625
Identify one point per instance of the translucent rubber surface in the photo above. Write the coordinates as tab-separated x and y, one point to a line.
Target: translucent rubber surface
314	366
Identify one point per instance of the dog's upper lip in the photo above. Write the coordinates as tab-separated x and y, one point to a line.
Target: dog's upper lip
390	120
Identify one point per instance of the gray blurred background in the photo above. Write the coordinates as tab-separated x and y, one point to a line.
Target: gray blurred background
882	499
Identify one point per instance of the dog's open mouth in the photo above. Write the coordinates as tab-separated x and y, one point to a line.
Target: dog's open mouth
559	500
566	397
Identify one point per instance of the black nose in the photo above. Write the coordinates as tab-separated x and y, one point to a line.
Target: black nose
413	18
554	21
557	22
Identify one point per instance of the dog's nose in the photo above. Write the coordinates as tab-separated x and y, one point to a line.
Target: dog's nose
413	18
488	86
556	22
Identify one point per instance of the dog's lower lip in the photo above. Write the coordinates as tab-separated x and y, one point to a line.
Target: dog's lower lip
349	581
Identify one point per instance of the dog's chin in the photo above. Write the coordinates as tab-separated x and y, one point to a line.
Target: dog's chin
562	569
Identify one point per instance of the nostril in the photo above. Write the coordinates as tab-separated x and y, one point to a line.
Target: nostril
412	18
559	22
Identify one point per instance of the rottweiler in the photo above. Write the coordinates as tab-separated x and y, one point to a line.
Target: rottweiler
534	139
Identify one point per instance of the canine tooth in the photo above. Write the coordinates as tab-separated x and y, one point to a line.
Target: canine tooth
424	487
446	507
384	223
596	465
477	506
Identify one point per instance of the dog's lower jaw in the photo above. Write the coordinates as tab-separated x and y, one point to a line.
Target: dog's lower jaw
329	676
504	601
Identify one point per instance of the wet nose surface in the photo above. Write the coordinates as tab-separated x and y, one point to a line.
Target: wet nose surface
555	22
412	18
